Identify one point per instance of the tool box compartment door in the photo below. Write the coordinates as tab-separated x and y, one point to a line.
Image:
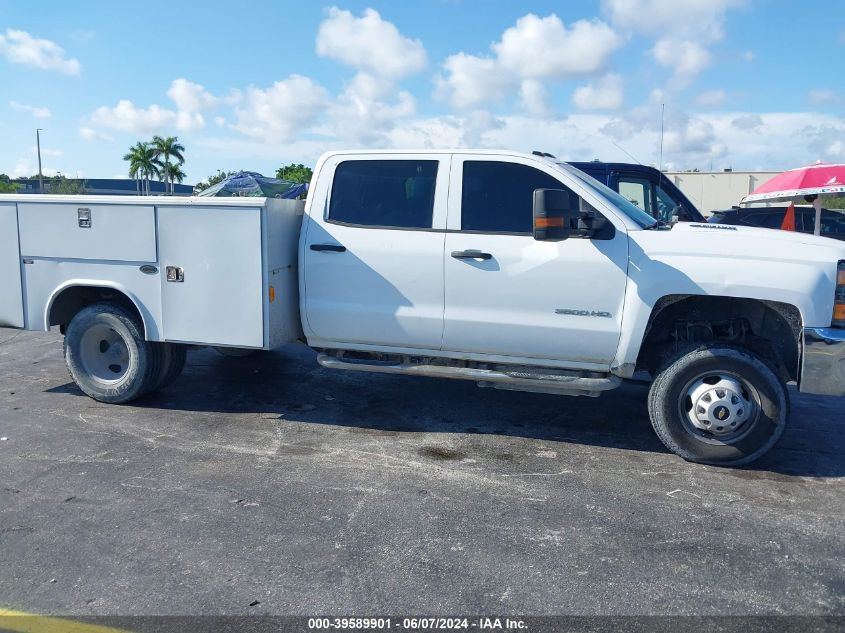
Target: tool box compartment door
11	298
211	275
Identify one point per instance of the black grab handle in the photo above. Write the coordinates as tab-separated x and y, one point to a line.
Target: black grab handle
471	255
332	248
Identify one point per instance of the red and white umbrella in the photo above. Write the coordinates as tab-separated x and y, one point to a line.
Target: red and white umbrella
805	182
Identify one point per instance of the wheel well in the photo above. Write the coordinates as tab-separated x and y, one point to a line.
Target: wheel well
770	329
71	300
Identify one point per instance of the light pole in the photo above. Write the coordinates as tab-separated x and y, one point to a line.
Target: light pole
38	145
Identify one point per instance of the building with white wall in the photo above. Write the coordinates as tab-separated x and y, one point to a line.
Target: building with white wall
710	191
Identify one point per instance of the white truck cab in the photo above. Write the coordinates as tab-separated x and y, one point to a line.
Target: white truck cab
513	270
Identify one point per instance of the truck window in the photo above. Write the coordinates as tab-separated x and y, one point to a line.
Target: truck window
638	192
384	193
498	197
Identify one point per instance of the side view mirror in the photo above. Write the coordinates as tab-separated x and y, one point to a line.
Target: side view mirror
554	219
590	223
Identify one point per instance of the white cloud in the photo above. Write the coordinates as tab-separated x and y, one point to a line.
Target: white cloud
543	48
45	151
605	94
90	134
278	113
190	97
823	97
683	30
534	48
26	167
19	47
219	121
688	19
363	113
749	56
126	117
471	80
686	58
532	94
711	98
747	122
369	42
38	112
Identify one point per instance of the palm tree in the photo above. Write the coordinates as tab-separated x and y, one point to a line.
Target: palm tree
168	147
135	157
144	159
173	174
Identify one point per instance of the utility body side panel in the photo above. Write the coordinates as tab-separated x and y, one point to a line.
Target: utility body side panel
282	224
46	279
11	296
110	232
220	299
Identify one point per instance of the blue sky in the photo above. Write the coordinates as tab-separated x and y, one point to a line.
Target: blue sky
748	84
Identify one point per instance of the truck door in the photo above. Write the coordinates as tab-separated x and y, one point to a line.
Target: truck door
508	294
11	298
372	251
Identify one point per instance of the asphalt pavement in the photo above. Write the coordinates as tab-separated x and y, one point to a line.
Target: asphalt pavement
268	485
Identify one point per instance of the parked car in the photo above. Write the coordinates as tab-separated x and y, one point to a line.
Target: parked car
646	187
833	221
511	270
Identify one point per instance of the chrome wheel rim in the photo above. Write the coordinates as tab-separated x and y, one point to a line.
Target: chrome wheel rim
719	407
104	354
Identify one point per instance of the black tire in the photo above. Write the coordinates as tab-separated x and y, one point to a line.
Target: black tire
174	356
670	406
136	363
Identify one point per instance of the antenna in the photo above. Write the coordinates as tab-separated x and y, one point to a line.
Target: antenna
627	153
662	117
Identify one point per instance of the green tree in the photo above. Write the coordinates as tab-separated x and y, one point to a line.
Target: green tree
143	164
66	186
172	173
167	148
7	187
833	202
214	179
295	173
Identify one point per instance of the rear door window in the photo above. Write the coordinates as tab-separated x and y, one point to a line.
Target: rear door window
384	193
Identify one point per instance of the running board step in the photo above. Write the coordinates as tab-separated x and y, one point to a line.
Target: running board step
523	380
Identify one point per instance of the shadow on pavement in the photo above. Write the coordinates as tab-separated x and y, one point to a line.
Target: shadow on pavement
289	383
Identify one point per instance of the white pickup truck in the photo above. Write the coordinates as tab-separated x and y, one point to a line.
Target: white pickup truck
513	270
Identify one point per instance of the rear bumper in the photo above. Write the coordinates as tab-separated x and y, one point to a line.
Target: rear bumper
823	367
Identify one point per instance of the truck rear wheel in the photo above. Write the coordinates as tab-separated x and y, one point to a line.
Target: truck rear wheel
718	405
173	357
107	356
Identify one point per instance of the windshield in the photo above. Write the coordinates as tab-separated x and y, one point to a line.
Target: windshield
632	211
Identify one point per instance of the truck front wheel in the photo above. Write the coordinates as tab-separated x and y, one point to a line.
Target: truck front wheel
718	405
107	356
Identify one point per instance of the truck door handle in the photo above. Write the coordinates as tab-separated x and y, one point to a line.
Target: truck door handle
331	248
471	255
